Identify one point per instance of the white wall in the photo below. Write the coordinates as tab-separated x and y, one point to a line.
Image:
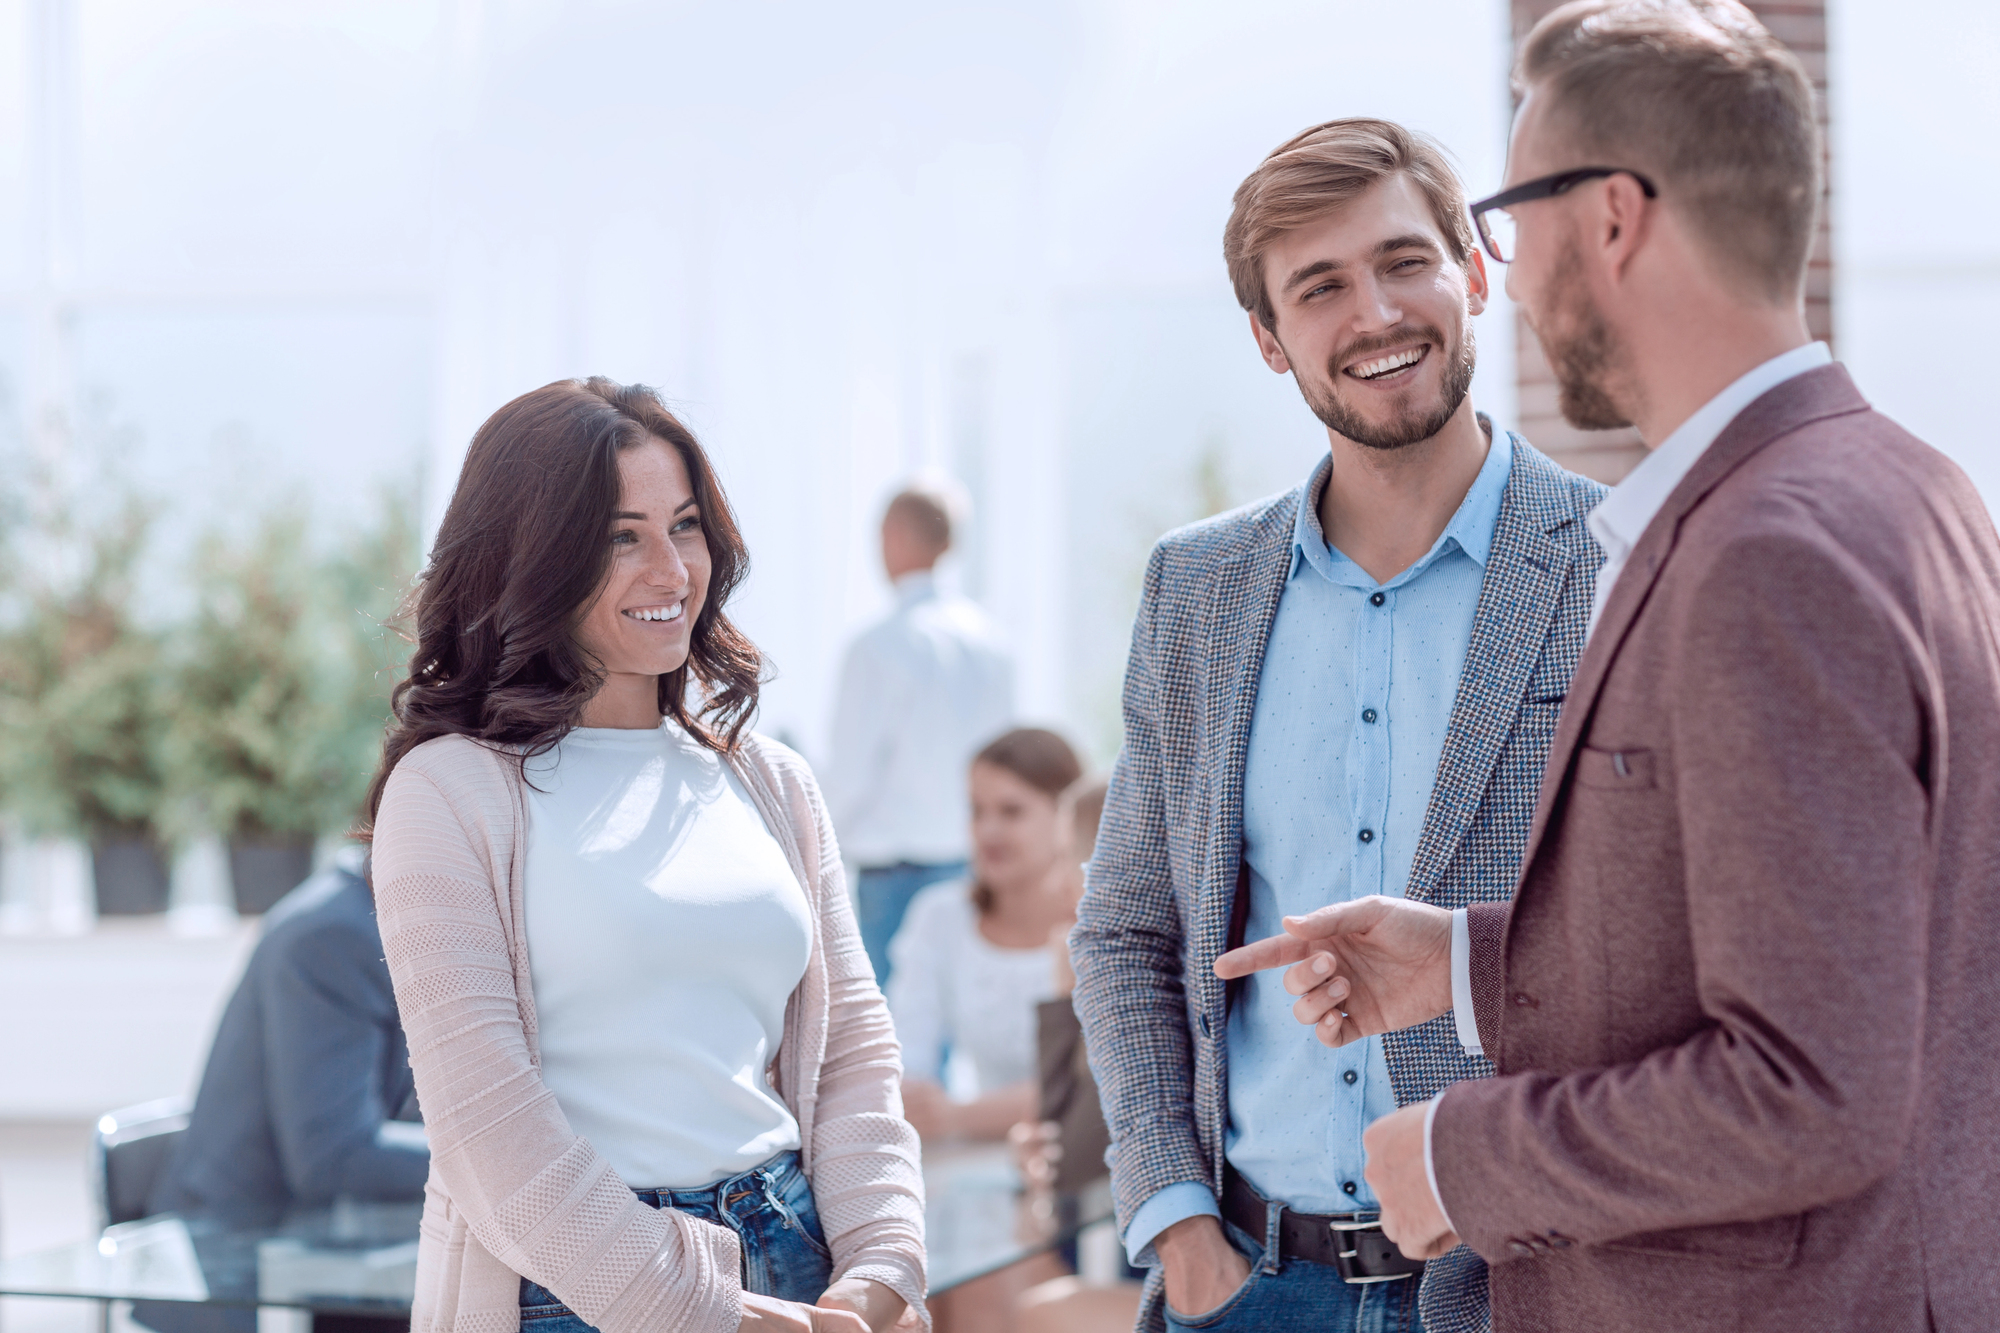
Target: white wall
304	249
977	237
111	1019
1916	188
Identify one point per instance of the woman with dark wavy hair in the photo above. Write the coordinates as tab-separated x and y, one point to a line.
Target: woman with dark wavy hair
659	1081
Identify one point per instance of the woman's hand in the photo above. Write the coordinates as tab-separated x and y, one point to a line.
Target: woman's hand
768	1314
928	1110
939	1120
878	1307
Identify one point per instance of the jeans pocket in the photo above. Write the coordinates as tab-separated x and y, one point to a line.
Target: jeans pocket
1251	1249
1212	1318
791	1198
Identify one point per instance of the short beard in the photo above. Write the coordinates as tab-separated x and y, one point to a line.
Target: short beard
1582	351
1409	426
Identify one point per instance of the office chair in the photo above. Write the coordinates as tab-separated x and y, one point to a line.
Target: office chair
129	1154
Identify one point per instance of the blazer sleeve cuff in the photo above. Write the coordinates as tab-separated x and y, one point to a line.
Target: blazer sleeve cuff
1486	971
1461	991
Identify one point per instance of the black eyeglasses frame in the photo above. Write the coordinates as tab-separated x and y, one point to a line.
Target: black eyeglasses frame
1543	187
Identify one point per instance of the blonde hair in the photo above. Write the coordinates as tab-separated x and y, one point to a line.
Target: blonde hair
1316	171
1698	96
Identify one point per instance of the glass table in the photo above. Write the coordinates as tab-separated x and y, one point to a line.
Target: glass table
361	1259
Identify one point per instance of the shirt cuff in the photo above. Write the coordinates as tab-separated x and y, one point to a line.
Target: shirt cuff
1430	1171
1175	1203
1461	990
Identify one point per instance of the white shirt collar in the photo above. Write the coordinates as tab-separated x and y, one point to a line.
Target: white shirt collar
1623	515
919	585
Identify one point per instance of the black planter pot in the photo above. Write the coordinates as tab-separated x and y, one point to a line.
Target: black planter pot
265	870
131	876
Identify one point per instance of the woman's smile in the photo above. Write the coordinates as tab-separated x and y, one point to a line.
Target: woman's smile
654	614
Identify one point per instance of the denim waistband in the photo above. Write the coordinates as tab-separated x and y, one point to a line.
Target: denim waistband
759	1178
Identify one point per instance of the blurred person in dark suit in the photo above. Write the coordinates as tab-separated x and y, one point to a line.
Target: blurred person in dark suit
307	1096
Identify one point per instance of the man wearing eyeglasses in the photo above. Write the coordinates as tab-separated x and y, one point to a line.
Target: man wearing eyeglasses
1743	1004
1347	689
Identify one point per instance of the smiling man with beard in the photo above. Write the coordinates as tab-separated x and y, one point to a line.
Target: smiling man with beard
1743	1004
1349	689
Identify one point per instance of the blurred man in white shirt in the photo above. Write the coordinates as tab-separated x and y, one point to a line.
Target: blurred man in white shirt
920	692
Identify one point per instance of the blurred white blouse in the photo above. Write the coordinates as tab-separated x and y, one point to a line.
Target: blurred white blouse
951	990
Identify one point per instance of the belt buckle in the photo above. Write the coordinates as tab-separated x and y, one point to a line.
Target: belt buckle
1364	1255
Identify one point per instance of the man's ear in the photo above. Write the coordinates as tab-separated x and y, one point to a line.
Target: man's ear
1624	222
1477	290
1267	345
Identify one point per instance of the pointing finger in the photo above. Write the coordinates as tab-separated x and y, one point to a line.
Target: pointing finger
1275	951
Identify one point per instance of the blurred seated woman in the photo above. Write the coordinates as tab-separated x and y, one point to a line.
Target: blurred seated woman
971	959
968	966
658	1077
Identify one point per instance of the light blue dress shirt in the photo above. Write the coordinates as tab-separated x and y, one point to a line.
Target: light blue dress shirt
1353	703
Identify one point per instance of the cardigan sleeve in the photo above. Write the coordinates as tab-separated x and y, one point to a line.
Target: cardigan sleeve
534	1195
867	1170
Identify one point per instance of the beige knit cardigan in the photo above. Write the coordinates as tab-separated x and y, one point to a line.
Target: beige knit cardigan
513	1190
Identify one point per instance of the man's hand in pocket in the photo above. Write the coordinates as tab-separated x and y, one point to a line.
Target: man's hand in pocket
1202	1268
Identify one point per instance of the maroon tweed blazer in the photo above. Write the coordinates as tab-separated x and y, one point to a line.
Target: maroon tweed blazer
1745	1003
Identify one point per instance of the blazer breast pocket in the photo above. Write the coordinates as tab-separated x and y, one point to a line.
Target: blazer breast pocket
1616	770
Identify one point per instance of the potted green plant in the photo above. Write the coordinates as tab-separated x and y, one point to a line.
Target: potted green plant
80	719
278	694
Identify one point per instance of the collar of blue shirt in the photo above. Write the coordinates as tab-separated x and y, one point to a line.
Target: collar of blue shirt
1470	529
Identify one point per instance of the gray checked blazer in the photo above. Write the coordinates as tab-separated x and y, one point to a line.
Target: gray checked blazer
1163	881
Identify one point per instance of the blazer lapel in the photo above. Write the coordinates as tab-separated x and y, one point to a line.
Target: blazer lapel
1825	392
1518	598
1243	604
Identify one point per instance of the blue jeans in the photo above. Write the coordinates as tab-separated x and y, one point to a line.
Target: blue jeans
1300	1294
882	894
772	1213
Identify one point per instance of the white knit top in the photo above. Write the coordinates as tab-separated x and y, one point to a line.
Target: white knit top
666	931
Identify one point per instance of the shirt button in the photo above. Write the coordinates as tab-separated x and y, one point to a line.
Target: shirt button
1520	1247
1376	599
1347	1187
1524	1000
1367	715
1349	1076
1368	835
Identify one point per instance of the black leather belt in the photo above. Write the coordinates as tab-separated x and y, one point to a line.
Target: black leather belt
1350	1242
